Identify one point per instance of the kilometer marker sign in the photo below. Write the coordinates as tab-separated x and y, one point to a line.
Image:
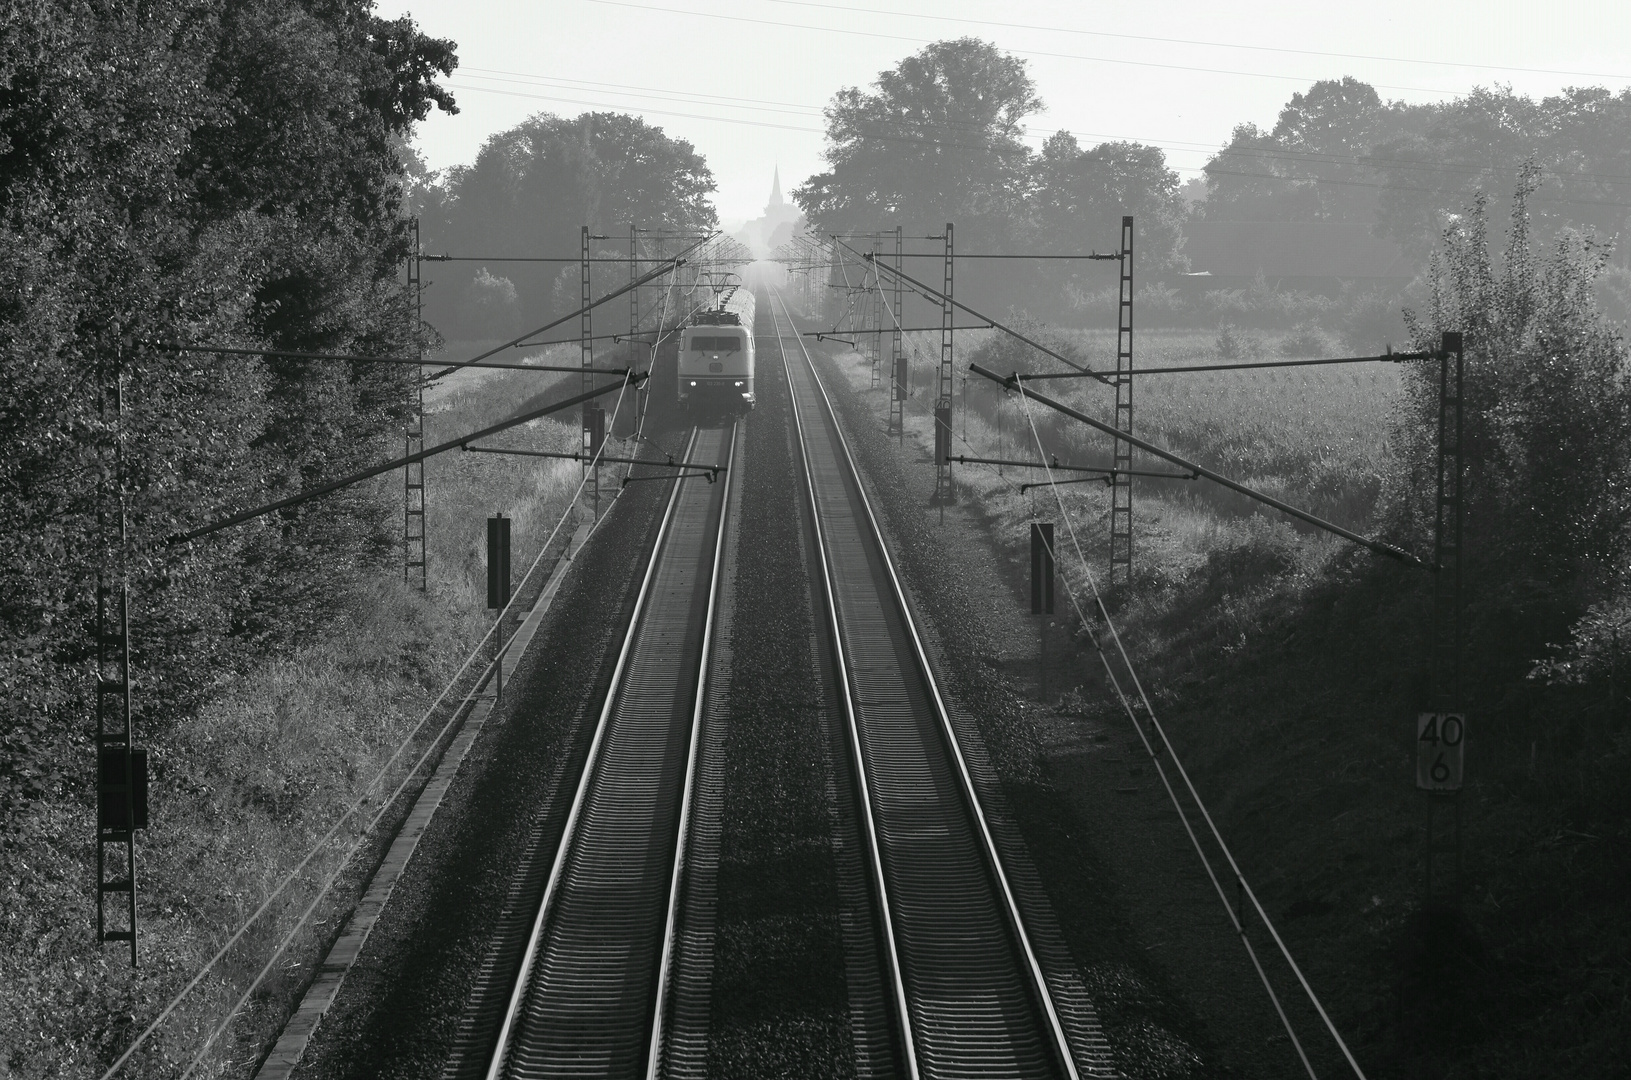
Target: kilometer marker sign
1441	741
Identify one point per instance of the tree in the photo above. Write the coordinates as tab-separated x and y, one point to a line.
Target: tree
938	141
533	187
1580	140
215	171
1079	198
1311	166
1548	404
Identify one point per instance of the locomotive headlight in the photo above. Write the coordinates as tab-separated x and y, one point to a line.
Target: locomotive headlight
693	382
738	384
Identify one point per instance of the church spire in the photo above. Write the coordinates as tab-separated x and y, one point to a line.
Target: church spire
776	189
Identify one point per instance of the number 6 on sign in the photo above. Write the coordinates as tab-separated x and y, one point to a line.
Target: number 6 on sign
1441	740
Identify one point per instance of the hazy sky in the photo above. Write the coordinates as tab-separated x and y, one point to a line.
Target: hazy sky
745	80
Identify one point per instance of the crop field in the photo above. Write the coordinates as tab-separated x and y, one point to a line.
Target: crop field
1317	437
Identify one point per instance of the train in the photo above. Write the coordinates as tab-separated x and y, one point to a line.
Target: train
716	357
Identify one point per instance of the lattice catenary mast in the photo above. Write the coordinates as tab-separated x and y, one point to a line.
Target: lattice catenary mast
943	489
120	807
414	555
875	338
900	375
586	334
1121	481
1444	805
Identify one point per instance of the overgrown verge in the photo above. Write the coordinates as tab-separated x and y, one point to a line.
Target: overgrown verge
248	785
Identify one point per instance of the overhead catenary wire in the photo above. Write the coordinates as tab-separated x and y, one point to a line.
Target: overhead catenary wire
1165	745
286	354
995	325
1457	63
397	463
1021	52
673	264
363	798
357	804
1378	546
329	881
1390	357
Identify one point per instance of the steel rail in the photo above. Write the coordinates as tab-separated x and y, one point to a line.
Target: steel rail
1058	1041
506	1045
879	880
671	926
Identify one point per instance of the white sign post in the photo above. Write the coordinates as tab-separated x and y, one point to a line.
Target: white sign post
1441	741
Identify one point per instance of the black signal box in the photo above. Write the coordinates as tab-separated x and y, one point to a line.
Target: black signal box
113	810
942	434
594	428
498	561
1041	568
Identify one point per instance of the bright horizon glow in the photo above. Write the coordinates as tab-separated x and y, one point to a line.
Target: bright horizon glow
744	82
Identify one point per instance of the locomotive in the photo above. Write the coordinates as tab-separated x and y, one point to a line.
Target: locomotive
716	356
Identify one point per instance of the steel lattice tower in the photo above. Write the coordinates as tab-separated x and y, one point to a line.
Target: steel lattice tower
1444	836
413	436
899	372
1121	484
586	332
116	797
634	326
875	339
943	488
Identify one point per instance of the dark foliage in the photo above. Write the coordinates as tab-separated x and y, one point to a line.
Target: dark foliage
1548	413
196	171
530	192
1341	153
940	139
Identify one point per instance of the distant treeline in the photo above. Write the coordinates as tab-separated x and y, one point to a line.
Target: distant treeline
194	171
939	138
529	193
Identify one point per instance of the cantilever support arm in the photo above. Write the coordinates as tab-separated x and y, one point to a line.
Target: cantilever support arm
995	325
710	474
667	268
1378	546
633	378
604	460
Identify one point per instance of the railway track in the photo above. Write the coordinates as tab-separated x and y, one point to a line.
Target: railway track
970	998
594	976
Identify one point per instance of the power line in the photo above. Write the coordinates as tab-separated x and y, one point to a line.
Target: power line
1022	52
1207	44
626	90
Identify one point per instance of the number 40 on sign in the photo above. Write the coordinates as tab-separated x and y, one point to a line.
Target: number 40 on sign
1441	739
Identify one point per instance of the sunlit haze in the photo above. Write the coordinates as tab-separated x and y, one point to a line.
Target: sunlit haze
745	81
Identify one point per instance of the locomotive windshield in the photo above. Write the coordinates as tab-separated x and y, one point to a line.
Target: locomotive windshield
716	344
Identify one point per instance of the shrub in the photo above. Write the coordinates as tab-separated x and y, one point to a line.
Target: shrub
492	302
1237	344
1305	341
1371	323
1548	404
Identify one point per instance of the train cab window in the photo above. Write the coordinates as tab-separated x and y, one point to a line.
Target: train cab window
716	344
